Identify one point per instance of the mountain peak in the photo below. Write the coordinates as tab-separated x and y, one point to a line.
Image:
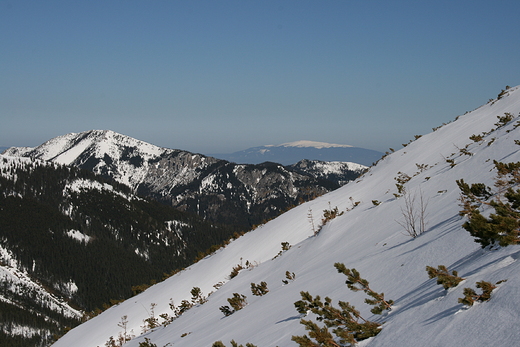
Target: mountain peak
292	152
313	144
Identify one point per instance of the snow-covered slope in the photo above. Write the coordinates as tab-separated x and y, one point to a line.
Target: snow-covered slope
292	152
368	238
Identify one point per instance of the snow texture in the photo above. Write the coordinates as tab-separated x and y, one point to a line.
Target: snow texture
368	238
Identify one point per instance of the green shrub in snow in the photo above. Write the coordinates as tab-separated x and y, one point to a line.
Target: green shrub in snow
348	326
503	226
444	277
470	296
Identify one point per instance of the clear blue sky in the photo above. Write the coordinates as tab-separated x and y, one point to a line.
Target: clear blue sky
220	76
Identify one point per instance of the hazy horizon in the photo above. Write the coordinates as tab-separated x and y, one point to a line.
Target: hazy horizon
219	77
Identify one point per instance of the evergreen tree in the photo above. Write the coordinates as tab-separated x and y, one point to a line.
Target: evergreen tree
226	310
470	296
503	226
238	301
197	297
233	344
444	277
349	327
259	289
356	283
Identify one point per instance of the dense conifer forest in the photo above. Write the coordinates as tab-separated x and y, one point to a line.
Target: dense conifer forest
85	240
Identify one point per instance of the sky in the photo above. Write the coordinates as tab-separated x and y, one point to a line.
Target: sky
223	76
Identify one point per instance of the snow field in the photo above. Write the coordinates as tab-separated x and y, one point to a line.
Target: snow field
368	238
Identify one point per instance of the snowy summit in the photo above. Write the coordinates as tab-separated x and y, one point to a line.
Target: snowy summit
293	152
313	144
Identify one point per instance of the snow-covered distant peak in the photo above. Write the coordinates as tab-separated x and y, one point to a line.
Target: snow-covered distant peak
314	144
292	152
66	148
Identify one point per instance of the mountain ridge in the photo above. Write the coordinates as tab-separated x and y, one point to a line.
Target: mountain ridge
217	190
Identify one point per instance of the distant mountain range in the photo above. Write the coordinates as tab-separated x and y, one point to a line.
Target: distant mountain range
293	152
217	190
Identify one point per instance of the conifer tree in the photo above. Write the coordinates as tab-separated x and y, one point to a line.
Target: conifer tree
290	276
259	289
349	326
147	343
233	344
444	277
503	226
470	296
197	297
226	310
183	307
356	283
125	336
152	321
238	301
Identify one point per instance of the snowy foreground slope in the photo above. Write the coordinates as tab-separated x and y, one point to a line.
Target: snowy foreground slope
368	238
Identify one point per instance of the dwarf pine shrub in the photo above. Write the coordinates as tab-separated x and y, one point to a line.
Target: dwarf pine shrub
285	247
356	283
152	321
233	344
503	226
197	297
503	120
330	214
444	277
289	276
470	296
401	179
147	343
235	270
226	310
347	323
259	289
167	319
184	306
476	138
349	327
237	302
